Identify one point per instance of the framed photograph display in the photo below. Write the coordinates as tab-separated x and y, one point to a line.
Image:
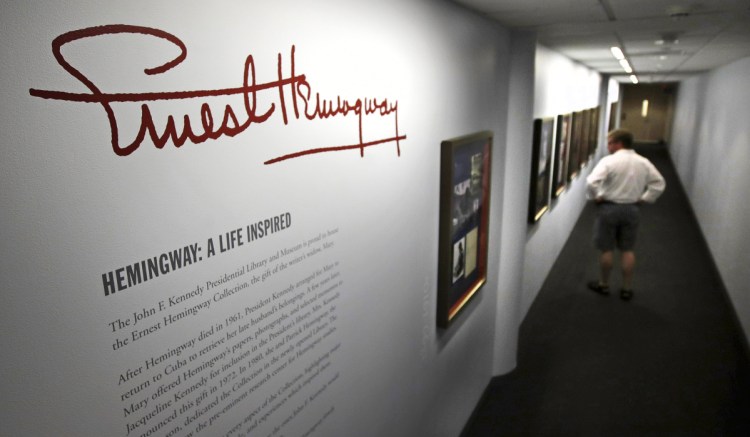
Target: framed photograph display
583	153
464	222
562	153
593	132
575	146
612	115
541	160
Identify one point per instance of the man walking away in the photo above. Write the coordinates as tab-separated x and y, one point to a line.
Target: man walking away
619	183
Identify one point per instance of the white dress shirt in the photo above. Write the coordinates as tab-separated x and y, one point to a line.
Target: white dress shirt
625	177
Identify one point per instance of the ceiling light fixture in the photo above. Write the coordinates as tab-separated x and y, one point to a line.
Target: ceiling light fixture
620	56
626	66
634	78
617	53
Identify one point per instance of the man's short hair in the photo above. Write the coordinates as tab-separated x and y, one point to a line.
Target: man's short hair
623	136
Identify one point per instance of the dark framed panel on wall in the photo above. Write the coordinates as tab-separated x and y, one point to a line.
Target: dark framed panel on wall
541	160
612	115
562	153
594	132
464	222
575	146
583	153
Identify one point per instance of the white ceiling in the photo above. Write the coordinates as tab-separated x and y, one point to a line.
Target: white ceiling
695	35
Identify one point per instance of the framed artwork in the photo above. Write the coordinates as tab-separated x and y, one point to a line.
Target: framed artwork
593	132
541	163
583	153
464	222
612	115
599	123
562	153
575	146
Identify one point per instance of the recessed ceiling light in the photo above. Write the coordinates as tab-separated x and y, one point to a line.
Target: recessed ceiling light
667	38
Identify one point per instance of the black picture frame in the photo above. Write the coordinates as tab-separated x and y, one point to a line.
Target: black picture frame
612	116
593	132
541	163
585	142
574	158
563	136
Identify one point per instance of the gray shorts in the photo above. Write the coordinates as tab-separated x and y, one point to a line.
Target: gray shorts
616	225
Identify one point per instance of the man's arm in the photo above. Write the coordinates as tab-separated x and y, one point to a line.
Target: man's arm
595	181
655	185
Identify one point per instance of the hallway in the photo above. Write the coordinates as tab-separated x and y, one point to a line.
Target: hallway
671	362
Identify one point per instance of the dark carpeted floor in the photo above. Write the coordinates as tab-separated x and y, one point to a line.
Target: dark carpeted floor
671	362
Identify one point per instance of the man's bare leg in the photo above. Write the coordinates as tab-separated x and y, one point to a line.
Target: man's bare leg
605	267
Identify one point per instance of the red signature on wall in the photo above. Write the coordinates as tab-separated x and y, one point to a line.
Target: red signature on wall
289	85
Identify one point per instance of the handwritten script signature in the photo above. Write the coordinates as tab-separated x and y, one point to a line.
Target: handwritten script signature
295	99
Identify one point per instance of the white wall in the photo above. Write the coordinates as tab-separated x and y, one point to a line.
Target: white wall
561	86
710	150
516	161
73	211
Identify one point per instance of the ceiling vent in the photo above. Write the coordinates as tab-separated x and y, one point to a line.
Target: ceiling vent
678	12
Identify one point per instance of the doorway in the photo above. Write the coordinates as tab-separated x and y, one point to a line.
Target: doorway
647	111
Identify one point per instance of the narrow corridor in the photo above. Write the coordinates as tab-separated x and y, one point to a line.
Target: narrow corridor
671	362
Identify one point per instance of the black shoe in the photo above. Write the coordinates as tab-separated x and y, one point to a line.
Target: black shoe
626	294
596	287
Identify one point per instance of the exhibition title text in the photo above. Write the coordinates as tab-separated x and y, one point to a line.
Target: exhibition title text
294	99
128	276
